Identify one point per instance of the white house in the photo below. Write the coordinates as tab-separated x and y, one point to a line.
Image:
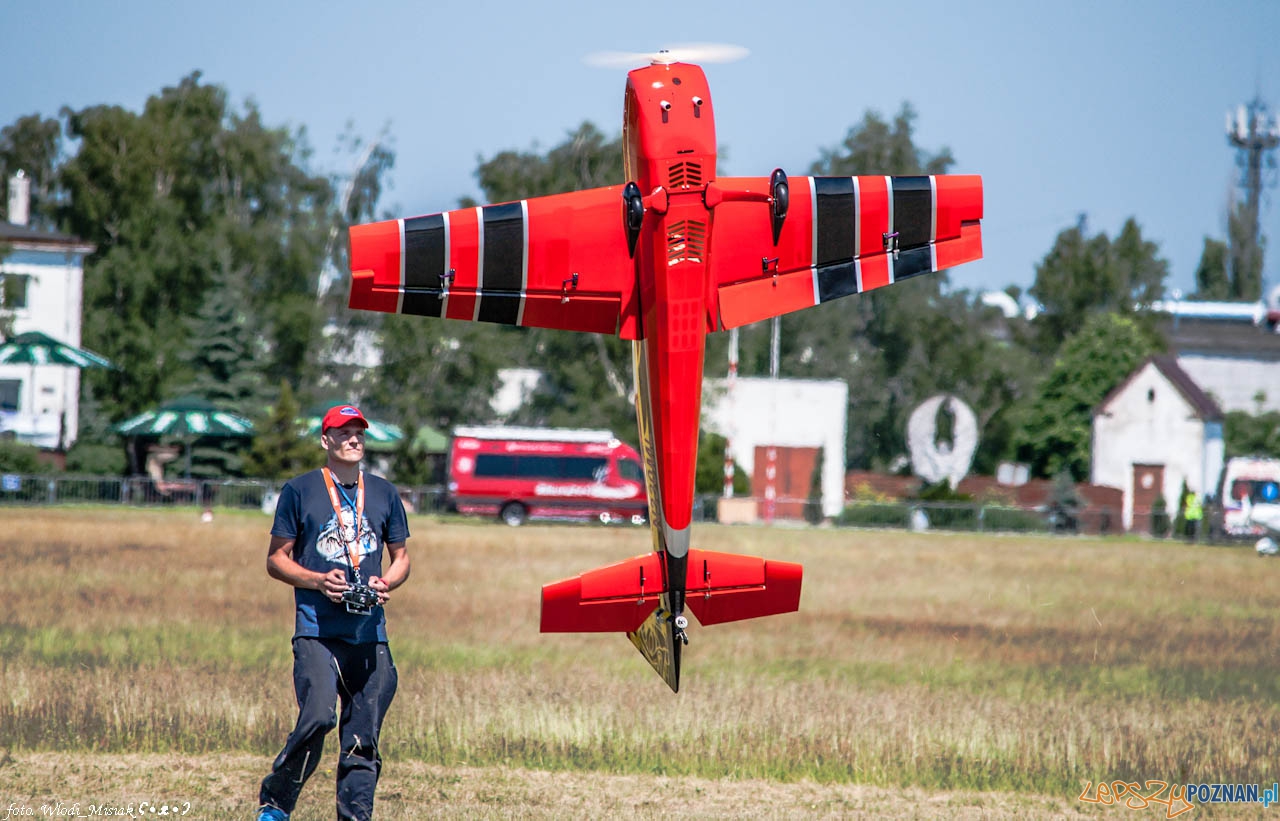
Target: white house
41	289
785	412
1156	430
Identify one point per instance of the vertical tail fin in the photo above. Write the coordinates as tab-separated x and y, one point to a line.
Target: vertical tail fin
656	640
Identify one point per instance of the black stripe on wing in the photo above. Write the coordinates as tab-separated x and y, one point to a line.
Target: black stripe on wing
425	260
913	211
913	219
836	218
503	261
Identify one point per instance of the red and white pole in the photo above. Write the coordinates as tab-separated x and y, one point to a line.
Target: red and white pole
771	484
731	428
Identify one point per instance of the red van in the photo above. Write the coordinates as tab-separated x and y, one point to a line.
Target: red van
518	474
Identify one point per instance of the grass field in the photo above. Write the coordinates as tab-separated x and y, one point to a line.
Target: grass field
145	656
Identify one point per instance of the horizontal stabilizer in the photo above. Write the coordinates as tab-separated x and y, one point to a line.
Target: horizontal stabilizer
612	599
721	587
728	587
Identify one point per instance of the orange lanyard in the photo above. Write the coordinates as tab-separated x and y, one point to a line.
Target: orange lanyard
352	554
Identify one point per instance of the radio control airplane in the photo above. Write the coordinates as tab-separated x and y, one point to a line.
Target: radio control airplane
673	254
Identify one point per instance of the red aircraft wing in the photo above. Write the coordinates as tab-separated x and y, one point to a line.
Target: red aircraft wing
841	236
549	262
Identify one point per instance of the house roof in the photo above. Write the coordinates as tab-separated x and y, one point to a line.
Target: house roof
1201	402
26	235
1218	337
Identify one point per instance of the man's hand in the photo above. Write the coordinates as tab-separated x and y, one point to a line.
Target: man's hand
377	585
332	585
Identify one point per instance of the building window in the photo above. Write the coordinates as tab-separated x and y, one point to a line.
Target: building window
9	390
13	290
1151	395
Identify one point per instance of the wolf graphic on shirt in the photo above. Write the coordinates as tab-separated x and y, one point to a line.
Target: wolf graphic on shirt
333	543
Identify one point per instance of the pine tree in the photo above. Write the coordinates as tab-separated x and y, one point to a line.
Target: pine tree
1212	280
279	450
220	353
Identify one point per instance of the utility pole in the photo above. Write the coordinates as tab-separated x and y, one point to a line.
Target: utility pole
1254	132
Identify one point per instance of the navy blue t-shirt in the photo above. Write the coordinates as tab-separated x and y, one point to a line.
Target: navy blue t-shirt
305	514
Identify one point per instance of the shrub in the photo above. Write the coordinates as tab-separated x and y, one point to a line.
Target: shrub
96	460
16	457
875	515
1013	519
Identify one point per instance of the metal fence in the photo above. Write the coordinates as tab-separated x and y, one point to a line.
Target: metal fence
16	489
260	494
956	516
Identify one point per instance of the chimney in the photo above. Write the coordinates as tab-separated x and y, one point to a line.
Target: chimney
19	199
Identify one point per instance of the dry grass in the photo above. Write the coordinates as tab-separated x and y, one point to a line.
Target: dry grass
215	786
950	663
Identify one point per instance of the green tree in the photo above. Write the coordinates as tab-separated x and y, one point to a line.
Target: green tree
585	159
1055	431
1213	282
1245	253
31	145
1246	434
409	465
876	146
1082	275
221	354
221	349
162	195
709	475
279	450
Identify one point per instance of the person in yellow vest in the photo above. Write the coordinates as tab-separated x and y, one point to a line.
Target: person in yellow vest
1192	513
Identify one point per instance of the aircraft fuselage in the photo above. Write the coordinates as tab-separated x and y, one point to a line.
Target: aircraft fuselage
669	136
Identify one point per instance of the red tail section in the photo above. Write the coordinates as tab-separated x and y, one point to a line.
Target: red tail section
721	587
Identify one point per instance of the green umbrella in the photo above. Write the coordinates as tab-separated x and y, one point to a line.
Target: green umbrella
35	348
187	418
430	440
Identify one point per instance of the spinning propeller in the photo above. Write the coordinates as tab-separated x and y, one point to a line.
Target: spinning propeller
687	53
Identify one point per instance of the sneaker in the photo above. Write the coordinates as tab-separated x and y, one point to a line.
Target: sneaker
270	813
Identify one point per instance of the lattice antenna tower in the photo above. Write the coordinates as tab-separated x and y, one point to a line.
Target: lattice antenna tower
1254	132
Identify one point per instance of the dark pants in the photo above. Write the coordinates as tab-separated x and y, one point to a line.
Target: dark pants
364	677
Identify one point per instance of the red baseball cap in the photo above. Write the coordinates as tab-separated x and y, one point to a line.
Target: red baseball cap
340	415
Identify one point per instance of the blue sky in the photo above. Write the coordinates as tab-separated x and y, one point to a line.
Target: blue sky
1112	109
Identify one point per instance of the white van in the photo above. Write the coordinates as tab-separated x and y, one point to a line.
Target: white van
1250	479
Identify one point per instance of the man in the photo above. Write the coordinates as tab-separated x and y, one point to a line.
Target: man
1192	514
327	540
